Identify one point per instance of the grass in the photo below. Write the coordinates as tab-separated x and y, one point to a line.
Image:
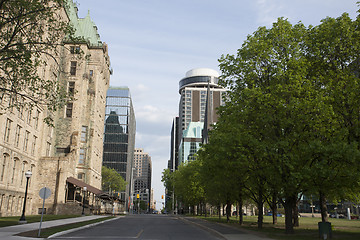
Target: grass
14	220
341	228
46	232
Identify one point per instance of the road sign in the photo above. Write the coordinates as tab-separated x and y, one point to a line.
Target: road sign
45	193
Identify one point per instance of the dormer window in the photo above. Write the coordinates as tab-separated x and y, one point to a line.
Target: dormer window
75	49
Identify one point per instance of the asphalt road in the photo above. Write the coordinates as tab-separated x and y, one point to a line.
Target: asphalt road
149	227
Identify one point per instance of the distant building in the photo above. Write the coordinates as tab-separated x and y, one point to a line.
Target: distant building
190	141
174	146
200	97
119	135
142	175
67	157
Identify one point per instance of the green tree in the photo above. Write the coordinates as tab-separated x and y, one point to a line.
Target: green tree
187	184
112	180
333	50
31	35
279	110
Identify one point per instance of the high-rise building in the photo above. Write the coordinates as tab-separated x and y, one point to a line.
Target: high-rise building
200	97
119	135
193	90
68	156
174	146
142	175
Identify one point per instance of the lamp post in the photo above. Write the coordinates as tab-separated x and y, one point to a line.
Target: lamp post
83	206
28	176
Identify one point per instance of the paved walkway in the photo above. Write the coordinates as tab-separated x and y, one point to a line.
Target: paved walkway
7	233
225	231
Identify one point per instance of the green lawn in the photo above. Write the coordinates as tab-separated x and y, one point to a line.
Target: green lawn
9	221
341	228
46	232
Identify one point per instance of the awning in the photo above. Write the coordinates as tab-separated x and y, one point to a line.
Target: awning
81	184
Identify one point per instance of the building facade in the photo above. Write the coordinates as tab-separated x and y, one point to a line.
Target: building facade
68	156
200	97
119	136
142	175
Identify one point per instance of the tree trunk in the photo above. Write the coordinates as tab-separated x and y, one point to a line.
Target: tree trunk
241	218
289	206
296	214
323	207
260	204
274	207
219	207
228	211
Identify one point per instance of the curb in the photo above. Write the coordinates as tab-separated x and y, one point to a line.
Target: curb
83	227
212	231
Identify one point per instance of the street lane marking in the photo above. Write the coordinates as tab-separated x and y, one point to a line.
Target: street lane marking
139	234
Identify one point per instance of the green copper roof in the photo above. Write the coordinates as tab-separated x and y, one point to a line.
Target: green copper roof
85	28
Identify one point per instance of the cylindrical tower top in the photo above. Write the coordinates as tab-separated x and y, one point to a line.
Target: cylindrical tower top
199	77
202	72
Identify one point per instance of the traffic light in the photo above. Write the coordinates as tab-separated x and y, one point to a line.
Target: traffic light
162	196
137	195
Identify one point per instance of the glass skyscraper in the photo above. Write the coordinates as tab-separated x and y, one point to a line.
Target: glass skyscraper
119	135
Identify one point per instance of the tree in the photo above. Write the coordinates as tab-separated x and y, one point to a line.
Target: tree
187	185
32	33
112	180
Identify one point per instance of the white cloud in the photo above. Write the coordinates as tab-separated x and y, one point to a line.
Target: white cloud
268	11
152	114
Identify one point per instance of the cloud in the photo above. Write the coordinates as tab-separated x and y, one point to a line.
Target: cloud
268	11
152	114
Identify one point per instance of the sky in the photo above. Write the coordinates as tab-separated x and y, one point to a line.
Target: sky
153	43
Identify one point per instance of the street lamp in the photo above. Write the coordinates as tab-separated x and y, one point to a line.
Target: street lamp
83	206
28	176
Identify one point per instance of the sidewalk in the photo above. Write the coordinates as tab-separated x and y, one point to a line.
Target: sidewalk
7	233
225	231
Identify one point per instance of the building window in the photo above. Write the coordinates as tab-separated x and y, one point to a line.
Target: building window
7	130
81	175
13	171
22	173
17	135
33	145
73	68
83	136
91	73
32	169
71	89
48	149
21	112
37	114
28	119
5	160
75	49
82	156
69	109
26	140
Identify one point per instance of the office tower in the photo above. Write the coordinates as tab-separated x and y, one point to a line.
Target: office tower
142	175
174	146
200	97
119	136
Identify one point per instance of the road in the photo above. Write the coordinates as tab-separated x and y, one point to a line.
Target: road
149	227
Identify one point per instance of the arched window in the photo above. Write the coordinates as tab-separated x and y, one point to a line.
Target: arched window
22	176
16	160
3	166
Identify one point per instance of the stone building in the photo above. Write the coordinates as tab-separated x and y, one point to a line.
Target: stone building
67	157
